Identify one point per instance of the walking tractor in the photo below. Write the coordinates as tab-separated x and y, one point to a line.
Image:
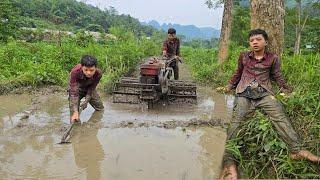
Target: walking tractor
155	82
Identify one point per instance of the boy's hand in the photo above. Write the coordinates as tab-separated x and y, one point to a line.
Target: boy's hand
164	53
225	89
283	95
84	105
74	117
286	95
178	58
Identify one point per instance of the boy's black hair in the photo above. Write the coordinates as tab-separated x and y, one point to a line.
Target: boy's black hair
89	61
171	31
259	31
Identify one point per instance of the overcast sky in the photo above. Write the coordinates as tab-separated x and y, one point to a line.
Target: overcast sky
185	12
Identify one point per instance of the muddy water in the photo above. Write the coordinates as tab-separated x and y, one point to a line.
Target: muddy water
152	153
31	127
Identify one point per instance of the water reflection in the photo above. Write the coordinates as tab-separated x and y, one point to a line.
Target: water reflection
212	141
88	151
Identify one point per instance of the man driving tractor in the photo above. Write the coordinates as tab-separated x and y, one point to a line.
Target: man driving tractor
171	49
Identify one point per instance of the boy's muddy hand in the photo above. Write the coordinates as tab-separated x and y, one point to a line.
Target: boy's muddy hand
286	95
84	105
225	89
75	117
283	95
179	59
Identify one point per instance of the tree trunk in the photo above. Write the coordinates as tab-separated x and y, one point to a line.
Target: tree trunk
298	29
269	16
225	30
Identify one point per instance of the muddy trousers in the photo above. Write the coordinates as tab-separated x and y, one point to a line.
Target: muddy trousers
244	108
175	68
95	101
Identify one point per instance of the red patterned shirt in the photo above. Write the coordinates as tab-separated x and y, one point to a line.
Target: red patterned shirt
172	47
250	69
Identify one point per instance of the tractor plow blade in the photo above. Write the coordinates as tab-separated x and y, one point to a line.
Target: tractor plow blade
129	90
126	90
182	92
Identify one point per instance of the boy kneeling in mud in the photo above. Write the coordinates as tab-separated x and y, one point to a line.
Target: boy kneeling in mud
252	81
84	79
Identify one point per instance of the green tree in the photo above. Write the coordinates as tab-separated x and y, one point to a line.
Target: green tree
7	20
74	15
240	25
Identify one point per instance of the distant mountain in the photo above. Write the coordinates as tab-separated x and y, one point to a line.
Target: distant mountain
189	31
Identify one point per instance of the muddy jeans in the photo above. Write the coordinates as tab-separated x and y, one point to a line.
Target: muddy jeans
175	68
95	101
245	107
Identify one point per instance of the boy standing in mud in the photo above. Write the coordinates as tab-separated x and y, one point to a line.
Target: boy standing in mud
171	48
252	81
84	79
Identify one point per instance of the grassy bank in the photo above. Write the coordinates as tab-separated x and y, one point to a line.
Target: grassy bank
43	63
261	153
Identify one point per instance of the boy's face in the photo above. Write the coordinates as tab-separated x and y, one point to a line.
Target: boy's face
89	71
257	42
171	36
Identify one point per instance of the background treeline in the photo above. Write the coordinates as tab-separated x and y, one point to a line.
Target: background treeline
67	15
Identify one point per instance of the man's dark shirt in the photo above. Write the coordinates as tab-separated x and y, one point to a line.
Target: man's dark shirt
261	71
79	82
172	47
